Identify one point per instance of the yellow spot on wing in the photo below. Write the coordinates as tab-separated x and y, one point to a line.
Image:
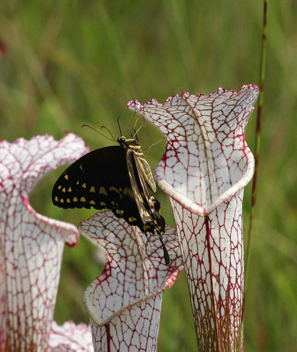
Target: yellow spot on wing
145	227
84	185
62	200
83	199
77	182
102	190
64	190
56	199
92	202
68	200
75	199
69	189
118	211
66	177
59	187
128	192
92	189
132	219
112	188
103	204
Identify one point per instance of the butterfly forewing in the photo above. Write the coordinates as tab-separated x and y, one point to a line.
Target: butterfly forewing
95	181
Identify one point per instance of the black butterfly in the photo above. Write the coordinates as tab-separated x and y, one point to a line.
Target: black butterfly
116	178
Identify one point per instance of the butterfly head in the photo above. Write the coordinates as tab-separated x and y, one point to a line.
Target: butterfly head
129	143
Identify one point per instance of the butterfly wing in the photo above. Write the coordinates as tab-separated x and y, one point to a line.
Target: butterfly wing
152	204
138	191
99	180
145	170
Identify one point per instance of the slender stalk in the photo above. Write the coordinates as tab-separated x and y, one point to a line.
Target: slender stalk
257	155
258	139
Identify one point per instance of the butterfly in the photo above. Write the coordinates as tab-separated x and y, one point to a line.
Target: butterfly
116	178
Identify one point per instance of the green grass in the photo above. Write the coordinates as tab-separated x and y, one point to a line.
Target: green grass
73	62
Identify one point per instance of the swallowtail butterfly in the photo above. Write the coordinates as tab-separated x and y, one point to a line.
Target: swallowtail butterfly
116	178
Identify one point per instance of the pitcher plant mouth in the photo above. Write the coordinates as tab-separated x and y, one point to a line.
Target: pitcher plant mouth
129	289
207	135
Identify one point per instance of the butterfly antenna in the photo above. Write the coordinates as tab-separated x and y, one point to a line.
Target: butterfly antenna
119	120
108	132
99	132
154	144
128	129
119	125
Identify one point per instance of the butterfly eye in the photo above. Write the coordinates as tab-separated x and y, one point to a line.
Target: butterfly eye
122	139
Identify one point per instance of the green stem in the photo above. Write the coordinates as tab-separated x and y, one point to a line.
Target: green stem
257	154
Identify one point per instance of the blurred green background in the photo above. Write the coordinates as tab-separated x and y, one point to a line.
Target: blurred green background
66	63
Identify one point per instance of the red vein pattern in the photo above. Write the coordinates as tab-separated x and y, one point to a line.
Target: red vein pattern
124	301
31	244
204	169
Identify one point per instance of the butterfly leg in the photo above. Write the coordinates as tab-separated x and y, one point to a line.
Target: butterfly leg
166	255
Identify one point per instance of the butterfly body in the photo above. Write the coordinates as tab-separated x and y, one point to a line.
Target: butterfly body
116	178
